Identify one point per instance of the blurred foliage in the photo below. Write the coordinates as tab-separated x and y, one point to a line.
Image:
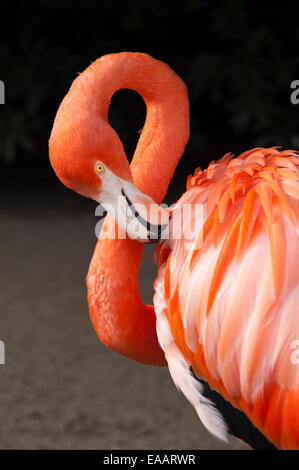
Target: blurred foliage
238	59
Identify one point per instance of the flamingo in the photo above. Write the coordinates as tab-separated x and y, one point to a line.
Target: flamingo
225	317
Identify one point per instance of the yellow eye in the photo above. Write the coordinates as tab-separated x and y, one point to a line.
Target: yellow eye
99	167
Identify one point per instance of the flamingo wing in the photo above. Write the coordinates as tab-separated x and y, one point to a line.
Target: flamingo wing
227	296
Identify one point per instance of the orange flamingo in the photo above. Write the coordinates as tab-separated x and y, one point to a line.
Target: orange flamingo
225	316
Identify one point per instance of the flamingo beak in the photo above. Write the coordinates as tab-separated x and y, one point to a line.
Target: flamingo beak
139	215
149	218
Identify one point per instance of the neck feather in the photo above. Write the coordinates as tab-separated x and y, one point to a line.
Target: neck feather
166	129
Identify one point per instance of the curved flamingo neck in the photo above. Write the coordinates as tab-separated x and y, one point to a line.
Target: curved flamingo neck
118	314
166	129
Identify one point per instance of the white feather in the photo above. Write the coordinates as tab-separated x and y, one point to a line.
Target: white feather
180	370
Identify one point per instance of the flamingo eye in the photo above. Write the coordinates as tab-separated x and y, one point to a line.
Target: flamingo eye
99	168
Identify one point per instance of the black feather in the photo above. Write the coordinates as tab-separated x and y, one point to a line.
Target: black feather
237	422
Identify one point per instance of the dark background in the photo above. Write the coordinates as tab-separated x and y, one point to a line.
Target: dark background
236	57
60	387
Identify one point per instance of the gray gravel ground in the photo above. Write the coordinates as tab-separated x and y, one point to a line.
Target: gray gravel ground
60	387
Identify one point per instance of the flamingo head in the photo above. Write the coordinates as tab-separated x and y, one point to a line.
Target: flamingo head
88	157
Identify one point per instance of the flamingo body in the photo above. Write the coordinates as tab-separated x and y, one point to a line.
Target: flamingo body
225	315
228	306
